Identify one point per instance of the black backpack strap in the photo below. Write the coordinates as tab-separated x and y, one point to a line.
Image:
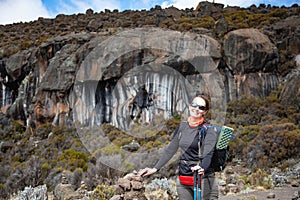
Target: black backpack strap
201	134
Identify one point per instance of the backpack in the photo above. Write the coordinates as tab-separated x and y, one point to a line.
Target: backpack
221	151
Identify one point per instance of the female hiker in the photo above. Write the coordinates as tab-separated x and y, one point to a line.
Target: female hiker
186	137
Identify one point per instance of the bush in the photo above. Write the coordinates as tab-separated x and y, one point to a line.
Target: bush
103	192
72	159
259	178
274	144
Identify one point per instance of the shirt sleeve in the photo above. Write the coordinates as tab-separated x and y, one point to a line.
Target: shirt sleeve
170	150
208	148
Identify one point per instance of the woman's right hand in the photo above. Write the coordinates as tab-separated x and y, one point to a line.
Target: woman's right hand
147	171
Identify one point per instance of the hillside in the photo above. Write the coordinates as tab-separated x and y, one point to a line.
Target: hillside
68	83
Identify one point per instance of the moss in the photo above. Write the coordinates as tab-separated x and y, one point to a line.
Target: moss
17	127
153	144
26	44
184	27
59	170
245	19
110	150
43	131
184	20
172	123
14	164
276	142
204	22
72	159
45	167
280	13
237	19
265	130
259	178
167	23
16	158
103	192
129	167
122	140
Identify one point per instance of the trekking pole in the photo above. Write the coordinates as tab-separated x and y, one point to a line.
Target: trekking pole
195	184
199	185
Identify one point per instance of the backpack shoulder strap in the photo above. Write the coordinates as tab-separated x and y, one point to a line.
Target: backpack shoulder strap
202	131
202	134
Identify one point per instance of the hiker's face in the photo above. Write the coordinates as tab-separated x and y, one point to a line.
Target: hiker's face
198	107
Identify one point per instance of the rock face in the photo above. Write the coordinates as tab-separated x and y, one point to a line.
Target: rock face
249	51
253	60
154	58
91	78
292	87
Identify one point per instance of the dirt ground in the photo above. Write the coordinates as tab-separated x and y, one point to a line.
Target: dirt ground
282	193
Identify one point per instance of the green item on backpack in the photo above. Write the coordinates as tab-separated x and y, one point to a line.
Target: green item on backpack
225	136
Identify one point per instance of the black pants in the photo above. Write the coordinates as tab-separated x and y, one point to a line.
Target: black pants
209	190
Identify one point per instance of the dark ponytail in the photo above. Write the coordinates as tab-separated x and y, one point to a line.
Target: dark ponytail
205	99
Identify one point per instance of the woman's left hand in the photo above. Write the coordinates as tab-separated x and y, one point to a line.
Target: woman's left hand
198	168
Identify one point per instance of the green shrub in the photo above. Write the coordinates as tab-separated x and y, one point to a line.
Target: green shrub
109	150
237	20
204	22
103	192
275	143
259	178
280	13
17	128
172	123
72	159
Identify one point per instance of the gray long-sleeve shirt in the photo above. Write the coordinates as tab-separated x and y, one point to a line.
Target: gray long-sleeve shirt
187	139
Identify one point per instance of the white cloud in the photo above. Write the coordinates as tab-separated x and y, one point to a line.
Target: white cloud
180	4
240	3
21	10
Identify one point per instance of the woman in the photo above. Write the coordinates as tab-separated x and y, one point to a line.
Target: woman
187	137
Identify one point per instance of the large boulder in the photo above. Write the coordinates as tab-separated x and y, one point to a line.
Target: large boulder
253	59
248	51
286	34
18	65
206	8
290	94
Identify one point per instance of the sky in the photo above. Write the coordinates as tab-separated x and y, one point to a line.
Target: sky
14	11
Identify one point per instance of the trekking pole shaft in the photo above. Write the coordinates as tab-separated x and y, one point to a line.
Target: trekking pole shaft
199	186
195	185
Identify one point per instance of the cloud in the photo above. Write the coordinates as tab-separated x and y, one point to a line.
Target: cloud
240	3
180	4
21	10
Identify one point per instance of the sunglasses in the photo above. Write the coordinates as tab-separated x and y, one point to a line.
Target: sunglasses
194	105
